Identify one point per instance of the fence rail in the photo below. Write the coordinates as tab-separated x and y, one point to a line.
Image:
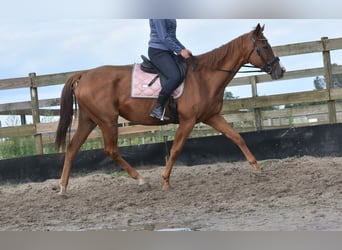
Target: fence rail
246	114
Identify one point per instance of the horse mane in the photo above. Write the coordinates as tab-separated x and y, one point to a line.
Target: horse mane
215	57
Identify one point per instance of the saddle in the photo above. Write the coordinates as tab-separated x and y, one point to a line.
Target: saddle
148	67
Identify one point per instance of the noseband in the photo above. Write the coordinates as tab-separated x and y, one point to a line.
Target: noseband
267	65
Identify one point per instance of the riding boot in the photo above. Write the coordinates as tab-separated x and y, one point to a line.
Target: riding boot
159	110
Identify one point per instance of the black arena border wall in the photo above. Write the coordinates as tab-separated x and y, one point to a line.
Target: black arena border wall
319	141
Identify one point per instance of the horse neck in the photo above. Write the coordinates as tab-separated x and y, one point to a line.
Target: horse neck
229	57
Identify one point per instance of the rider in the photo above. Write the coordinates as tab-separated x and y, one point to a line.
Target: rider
162	47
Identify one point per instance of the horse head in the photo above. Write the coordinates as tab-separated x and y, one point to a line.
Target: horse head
262	56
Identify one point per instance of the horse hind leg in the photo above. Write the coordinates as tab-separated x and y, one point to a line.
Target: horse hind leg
85	126
110	136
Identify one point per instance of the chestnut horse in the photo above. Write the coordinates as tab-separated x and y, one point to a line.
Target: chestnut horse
104	93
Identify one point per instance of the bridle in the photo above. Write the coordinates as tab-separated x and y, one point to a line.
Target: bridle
267	67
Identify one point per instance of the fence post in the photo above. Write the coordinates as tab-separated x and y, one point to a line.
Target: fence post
257	111
328	80
35	111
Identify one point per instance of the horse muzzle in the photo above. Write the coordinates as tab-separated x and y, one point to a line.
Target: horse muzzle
277	71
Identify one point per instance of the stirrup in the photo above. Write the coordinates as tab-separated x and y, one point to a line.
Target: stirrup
163	117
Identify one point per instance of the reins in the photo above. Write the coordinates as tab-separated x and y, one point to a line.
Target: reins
266	67
250	71
195	64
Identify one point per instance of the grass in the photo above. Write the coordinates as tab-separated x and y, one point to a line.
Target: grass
17	147
121	173
25	146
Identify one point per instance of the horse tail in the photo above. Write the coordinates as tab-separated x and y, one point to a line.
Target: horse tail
66	110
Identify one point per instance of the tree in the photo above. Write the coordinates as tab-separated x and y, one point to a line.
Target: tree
229	95
320	82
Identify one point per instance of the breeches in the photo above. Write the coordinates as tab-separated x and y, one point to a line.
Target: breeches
165	62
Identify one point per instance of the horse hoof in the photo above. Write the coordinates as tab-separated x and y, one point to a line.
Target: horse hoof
257	171
142	181
62	191
61	194
166	187
256	168
145	185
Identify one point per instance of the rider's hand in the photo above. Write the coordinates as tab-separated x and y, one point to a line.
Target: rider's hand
185	53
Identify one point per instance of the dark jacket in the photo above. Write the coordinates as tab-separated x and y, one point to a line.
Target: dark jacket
163	35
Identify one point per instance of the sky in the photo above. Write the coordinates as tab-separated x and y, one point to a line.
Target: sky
55	38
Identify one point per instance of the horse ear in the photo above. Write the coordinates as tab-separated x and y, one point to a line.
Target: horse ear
259	29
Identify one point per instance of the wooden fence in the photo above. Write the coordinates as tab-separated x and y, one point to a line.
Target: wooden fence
246	114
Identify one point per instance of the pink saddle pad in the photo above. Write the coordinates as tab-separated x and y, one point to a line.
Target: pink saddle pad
141	80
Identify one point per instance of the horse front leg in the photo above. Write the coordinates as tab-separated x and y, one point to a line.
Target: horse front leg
182	134
219	123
